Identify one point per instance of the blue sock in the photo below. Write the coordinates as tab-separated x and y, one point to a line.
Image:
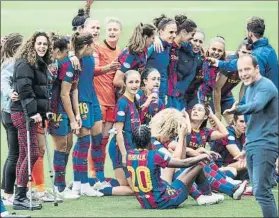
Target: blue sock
59	166
106	191
97	156
113	182
92	181
229	174
81	154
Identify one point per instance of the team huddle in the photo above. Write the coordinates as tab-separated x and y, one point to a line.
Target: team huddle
148	105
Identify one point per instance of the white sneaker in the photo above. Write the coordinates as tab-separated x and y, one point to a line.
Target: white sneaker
101	185
219	197
86	190
45	196
68	194
232	181
207	200
238	192
8	201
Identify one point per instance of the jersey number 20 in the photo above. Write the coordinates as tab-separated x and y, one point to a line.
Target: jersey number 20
142	174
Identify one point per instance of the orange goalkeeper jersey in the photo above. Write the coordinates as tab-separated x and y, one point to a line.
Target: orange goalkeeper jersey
104	83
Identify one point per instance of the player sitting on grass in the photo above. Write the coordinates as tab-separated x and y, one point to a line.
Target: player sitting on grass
144	166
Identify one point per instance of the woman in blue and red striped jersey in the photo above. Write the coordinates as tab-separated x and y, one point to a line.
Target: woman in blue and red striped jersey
127	119
225	82
148	96
197	140
134	57
230	146
216	50
186	29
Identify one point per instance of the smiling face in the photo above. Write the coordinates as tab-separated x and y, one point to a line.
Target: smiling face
132	83
41	46
246	70
198	113
168	33
216	50
197	42
113	31
187	36
152	81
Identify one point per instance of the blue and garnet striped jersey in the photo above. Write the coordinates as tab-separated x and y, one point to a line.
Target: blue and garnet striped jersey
172	70
232	81
220	146
66	73
144	167
133	61
127	113
147	113
209	82
85	85
198	138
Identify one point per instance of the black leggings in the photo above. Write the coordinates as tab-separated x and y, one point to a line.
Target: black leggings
9	170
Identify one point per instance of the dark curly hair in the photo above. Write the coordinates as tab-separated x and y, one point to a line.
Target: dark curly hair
79	20
141	137
27	50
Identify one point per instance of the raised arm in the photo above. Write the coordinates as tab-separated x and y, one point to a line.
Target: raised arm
220	81
220	130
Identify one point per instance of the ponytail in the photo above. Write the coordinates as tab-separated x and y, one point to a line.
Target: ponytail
137	41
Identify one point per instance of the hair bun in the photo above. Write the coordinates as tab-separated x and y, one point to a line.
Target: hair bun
81	12
180	18
157	20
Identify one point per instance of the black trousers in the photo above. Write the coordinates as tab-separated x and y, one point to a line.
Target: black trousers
9	170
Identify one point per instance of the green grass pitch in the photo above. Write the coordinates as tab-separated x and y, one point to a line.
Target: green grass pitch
214	17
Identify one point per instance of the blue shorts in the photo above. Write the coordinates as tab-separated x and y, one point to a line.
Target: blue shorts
60	125
174	102
175	194
96	109
86	114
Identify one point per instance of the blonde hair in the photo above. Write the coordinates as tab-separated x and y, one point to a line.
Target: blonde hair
167	122
113	20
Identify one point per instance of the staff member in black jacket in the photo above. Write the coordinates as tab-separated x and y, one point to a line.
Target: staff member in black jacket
30	82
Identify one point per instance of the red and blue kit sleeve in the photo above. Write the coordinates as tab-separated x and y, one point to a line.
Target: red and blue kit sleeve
67	73
207	133
126	60
161	159
120	110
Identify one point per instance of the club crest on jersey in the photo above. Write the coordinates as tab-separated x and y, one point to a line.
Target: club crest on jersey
126	65
70	74
121	113
84	117
231	137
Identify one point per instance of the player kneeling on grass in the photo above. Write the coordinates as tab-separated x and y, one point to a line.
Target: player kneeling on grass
145	169
127	119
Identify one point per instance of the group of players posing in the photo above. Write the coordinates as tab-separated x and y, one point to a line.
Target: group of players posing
108	96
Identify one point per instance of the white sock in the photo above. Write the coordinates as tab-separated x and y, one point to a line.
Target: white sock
5	213
85	186
76	186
